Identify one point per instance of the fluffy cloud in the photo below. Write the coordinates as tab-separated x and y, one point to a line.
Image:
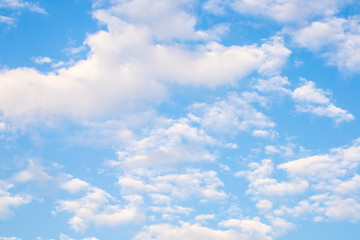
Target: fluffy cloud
337	39
94	208
186	231
262	185
127	67
252	228
233	115
337	163
7	200
75	185
343	209
308	98
177	186
169	143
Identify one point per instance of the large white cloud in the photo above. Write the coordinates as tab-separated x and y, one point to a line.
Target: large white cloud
127	66
94	207
337	39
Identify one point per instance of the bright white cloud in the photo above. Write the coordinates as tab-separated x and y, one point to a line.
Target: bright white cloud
262	185
252	228
308	93
343	209
337	163
127	67
186	231
94	208
337	39
308	98
75	185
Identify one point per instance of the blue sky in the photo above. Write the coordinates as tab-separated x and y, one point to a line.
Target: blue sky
179	119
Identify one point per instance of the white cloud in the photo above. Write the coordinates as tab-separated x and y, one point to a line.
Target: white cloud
343	209
215	6
233	115
41	60
64	237
262	185
275	84
204	217
7	20
337	163
192	183
75	185
287	11
252	228
33	172
264	205
22	5
94	208
9	238
308	98
302	208
7	200
337	39
168	143
308	93
127	68
186	231
351	186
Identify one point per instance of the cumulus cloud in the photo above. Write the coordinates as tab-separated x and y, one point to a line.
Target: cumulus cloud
343	209
94	208
337	163
170	143
261	184
233	115
336	39
252	228
308	98
75	185
128	67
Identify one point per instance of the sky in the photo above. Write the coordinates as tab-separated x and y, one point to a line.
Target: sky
179	119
